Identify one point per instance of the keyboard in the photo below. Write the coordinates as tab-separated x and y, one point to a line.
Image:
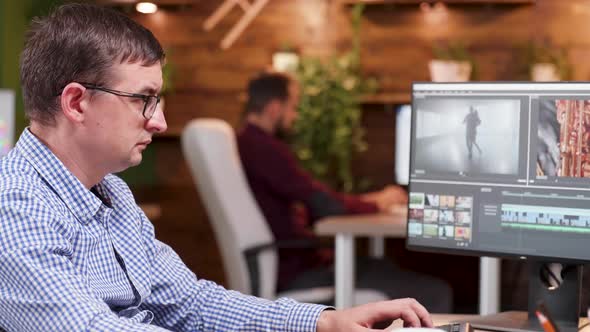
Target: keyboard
456	327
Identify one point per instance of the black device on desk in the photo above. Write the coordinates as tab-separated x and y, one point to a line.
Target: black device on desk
503	169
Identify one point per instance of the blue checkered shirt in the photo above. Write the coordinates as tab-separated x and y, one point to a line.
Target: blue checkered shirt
71	261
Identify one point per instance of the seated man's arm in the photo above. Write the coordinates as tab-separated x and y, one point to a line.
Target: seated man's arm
280	171
321	201
181	302
40	288
387	198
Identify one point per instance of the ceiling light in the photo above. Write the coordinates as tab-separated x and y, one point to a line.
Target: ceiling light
146	7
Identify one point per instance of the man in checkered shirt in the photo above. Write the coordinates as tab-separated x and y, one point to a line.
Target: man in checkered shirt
76	252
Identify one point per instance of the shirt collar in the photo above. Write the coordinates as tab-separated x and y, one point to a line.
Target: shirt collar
79	200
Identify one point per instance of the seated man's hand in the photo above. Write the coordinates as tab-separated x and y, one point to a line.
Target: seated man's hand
362	318
388	198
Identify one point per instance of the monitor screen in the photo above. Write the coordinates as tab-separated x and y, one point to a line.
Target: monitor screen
501	169
6	120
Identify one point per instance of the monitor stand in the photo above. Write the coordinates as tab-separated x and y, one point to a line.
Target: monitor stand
562	303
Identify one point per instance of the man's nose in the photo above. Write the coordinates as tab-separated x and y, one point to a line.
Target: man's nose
158	122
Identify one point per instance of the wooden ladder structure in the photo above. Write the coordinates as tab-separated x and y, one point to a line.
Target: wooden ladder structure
251	10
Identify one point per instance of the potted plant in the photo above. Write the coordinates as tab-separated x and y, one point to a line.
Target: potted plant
546	62
451	63
286	59
328	131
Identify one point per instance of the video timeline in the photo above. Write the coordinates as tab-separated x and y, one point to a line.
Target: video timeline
546	218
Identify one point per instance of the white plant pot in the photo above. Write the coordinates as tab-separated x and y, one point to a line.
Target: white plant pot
285	61
544	72
449	71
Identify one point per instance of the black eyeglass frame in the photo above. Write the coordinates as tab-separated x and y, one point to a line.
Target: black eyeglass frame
146	98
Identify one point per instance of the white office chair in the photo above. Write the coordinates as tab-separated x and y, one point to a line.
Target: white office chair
248	248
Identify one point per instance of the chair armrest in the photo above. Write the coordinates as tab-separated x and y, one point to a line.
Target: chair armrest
251	254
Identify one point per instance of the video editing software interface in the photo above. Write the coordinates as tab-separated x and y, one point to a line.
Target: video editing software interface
501	168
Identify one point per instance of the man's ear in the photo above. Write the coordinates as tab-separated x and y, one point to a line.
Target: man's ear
74	102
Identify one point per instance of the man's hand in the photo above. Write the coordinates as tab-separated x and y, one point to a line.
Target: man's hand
362	318
388	197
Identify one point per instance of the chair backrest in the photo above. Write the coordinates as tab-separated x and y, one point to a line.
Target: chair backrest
209	146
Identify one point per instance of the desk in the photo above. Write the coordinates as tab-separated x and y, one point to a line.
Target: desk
346	228
443	319
438	320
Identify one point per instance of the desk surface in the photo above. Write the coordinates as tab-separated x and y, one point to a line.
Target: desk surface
388	225
443	319
438	320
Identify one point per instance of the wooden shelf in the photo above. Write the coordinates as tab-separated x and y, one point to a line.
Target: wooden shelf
459	2
157	2
377	98
388	98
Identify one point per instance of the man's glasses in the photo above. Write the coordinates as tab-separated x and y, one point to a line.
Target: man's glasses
150	102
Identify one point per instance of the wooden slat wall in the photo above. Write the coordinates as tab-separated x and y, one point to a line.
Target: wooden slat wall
396	41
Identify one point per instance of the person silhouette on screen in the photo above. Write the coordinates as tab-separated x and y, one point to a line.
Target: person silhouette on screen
471	121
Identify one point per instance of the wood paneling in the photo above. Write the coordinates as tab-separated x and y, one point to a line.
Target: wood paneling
414	2
396	47
184	105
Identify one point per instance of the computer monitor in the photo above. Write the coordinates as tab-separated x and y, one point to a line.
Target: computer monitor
503	169
7	100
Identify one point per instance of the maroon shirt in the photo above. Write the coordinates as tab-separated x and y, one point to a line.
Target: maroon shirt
283	191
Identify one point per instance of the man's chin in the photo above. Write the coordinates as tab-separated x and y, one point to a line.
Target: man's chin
133	161
136	160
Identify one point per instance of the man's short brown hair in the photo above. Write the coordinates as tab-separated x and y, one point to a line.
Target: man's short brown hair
266	87
78	42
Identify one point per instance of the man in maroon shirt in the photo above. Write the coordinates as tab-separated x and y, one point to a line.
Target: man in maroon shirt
292	200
